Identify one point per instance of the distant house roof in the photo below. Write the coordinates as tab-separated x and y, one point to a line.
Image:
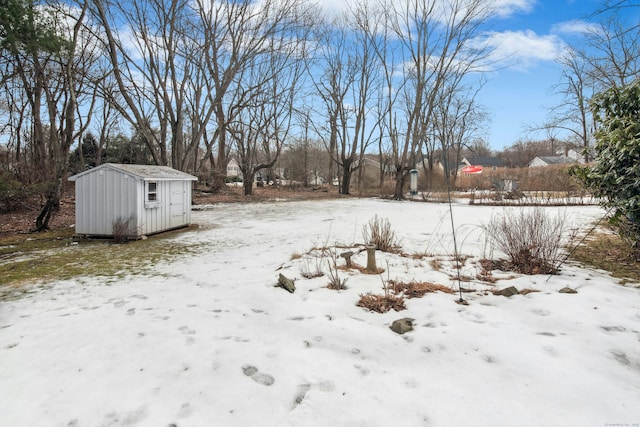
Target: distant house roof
145	172
551	160
483	161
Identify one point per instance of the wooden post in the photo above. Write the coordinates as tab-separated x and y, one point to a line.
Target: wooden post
371	258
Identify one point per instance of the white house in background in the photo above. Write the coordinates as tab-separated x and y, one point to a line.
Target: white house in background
150	199
542	161
233	169
570	157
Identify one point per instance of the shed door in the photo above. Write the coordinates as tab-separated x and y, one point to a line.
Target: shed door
177	211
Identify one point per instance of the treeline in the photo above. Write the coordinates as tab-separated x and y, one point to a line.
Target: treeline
191	83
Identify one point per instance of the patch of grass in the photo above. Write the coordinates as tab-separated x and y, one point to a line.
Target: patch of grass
18	243
609	252
54	255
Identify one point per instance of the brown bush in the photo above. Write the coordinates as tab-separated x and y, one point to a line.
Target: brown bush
417	289
378	232
381	303
532	240
550	178
122	230
335	281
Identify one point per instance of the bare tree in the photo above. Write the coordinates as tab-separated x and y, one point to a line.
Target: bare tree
436	39
107	118
607	56
333	85
457	123
520	153
157	65
51	57
263	103
239	36
348	85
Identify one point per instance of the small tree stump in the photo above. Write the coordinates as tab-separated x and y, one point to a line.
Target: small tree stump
347	257
286	283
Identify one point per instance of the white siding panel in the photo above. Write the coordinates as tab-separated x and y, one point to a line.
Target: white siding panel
154	216
173	209
101	198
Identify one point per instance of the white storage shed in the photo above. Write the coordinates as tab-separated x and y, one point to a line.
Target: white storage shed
148	199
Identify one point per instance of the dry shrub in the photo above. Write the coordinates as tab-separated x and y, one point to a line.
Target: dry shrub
312	267
378	232
549	178
461	278
308	273
486	275
417	289
381	303
335	281
435	264
123	230
531	239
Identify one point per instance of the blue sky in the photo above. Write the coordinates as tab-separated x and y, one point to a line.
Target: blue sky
518	96
532	34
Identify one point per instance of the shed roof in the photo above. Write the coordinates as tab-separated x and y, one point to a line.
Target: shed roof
483	161
555	160
145	172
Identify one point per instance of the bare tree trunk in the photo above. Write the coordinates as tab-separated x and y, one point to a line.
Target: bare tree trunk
66	134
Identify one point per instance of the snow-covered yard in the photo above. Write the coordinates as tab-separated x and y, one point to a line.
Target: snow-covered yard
209	341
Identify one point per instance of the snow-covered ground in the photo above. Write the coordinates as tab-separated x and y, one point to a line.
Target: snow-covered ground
209	341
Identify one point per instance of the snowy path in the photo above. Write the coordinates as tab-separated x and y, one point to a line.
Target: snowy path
208	340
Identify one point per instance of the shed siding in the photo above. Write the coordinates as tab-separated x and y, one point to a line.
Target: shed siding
172	210
103	197
153	218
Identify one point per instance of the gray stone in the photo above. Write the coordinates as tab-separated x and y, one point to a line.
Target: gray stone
347	257
508	292
286	283
567	290
402	326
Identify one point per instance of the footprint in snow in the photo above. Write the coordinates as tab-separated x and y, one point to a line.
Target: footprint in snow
302	389
614	328
259	377
621	357
185	410
185	330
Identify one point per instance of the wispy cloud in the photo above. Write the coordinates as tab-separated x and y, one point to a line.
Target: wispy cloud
502	8
522	49
574	27
509	7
